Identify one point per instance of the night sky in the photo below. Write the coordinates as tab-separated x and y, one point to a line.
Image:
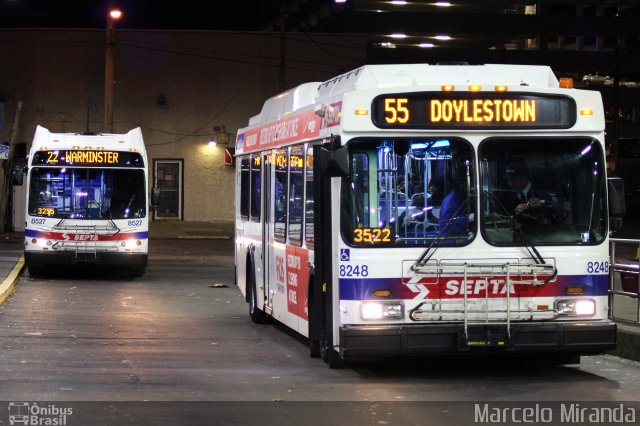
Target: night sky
144	14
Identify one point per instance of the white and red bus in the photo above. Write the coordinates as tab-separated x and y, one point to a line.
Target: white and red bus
375	213
87	201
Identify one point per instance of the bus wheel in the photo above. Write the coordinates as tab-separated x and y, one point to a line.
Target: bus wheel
256	314
137	271
35	271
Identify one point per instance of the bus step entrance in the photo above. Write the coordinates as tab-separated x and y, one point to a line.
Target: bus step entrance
486	336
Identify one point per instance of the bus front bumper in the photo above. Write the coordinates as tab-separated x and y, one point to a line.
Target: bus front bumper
584	337
60	258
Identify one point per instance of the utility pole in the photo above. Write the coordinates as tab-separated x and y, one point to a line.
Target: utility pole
8	168
109	71
283	63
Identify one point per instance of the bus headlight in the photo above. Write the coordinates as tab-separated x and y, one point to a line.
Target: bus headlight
380	310
576	307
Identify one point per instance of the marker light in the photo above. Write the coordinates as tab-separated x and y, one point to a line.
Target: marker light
448	88
474	88
586	111
87	147
501	88
362	112
382	293
566	83
578	289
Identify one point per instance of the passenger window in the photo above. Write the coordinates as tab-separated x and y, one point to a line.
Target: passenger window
296	186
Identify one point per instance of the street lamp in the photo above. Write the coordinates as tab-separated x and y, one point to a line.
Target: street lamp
109	73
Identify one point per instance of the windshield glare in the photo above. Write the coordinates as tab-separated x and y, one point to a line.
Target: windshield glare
542	191
81	193
409	192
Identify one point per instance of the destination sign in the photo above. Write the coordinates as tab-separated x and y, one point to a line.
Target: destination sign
88	158
432	110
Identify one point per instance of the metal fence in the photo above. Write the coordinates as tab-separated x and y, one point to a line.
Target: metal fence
624	279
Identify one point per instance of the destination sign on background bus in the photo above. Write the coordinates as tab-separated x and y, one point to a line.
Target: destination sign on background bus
91	158
429	110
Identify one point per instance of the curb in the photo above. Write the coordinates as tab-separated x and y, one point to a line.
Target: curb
9	283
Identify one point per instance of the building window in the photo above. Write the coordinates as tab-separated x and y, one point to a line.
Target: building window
168	176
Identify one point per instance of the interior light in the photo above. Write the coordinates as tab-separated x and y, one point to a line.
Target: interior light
399	2
426	45
443	4
212	142
442	37
398	35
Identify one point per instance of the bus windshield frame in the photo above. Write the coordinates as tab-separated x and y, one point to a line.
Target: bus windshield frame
87	193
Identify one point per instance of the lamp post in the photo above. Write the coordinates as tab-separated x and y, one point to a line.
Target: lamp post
109	73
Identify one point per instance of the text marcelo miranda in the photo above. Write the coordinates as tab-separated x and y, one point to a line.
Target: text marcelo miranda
567	412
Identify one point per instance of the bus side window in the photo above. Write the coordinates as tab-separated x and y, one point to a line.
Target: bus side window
255	189
245	165
296	185
280	196
308	204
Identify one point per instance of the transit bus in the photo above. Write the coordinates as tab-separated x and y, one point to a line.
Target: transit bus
342	236
87	201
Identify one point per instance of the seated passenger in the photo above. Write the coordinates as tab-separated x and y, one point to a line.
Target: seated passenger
453	212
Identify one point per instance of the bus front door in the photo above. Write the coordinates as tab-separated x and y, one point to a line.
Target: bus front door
267	233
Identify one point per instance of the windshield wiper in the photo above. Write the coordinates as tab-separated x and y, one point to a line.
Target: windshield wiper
427	254
517	228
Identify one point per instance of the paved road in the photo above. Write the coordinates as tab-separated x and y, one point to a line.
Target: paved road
174	336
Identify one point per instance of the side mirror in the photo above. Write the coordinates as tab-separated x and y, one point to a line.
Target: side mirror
335	163
17	176
155	197
617	207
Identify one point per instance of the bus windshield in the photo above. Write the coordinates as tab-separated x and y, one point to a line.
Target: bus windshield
83	193
409	192
542	191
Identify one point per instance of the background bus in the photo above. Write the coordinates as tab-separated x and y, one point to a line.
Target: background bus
341	235
87	201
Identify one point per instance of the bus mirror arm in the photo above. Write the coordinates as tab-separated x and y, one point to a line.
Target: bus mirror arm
335	163
155	197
